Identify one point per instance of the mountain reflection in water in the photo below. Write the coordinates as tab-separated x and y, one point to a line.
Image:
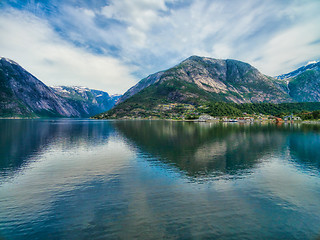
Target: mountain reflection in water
87	179
200	149
22	140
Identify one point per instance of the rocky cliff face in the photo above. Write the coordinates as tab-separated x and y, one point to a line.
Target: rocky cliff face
228	80
303	84
23	95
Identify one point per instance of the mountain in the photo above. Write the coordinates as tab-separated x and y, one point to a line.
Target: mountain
87	101
223	80
23	95
199	80
303	84
310	66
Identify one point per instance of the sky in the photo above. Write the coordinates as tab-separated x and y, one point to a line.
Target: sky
111	44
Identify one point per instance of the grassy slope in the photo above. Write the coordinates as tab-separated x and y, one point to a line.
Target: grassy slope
174	91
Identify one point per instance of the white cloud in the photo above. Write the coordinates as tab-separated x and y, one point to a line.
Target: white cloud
32	43
288	49
152	35
139	16
221	50
274	36
297	44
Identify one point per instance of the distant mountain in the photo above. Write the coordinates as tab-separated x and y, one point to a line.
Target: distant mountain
310	66
197	80
23	95
303	84
87	101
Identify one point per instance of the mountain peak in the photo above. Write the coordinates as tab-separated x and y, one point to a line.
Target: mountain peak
194	57
309	66
312	62
9	61
200	58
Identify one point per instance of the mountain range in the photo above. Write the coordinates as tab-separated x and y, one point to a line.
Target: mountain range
200	80
23	95
194	82
87	101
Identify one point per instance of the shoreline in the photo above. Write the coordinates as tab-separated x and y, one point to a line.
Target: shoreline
178	120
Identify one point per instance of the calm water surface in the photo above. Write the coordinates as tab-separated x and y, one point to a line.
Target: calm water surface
85	179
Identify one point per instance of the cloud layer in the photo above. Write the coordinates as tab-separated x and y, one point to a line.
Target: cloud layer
110	45
32	43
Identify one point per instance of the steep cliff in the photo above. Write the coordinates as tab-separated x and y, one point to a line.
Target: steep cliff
23	95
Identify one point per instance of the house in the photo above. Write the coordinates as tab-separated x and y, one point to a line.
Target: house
279	120
245	119
291	118
262	118
226	119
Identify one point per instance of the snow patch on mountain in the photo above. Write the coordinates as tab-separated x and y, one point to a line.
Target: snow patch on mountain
309	66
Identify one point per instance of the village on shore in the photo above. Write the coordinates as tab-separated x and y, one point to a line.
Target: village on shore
187	112
247	119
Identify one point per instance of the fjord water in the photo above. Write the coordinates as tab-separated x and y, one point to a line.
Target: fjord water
86	179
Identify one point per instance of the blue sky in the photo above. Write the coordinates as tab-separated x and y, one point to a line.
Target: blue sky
110	45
